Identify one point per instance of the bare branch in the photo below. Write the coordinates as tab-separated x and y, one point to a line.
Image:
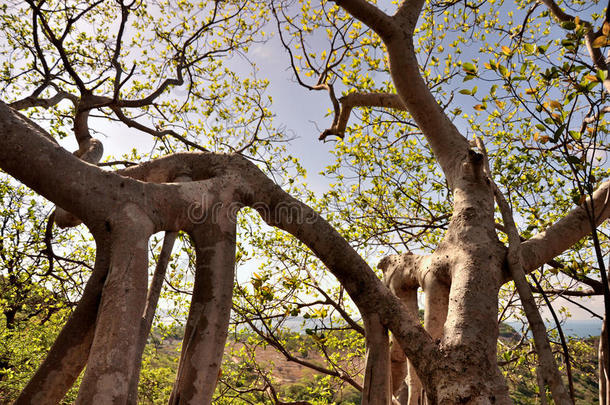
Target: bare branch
279	347
345	104
34	101
563	292
57	42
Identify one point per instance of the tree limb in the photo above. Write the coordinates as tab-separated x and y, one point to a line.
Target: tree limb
34	101
558	237
370	15
345	104
595	53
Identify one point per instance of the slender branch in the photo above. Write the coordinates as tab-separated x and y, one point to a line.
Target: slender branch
345	104
34	101
564	345
57	42
273	342
157	134
569	293
595	53
117	50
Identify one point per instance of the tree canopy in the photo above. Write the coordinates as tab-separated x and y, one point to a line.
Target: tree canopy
469	150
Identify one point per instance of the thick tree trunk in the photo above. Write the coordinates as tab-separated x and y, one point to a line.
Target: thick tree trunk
206	329
377	376
113	359
152	298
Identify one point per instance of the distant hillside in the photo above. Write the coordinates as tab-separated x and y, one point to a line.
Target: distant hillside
301	383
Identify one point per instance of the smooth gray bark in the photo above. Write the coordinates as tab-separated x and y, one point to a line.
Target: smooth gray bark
114	359
208	320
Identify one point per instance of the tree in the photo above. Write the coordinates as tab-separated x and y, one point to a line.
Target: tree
454	357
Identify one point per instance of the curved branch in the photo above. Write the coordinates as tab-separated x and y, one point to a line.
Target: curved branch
343	107
34	101
371	15
58	42
71	186
558	237
157	134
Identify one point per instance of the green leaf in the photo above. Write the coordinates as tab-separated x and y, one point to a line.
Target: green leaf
529	48
503	71
576	135
558	132
469	68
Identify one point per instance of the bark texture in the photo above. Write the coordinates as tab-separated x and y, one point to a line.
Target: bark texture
208	320
114	359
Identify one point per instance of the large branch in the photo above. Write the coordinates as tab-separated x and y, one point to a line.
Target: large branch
281	210
557	238
91	193
449	146
28	154
369	14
